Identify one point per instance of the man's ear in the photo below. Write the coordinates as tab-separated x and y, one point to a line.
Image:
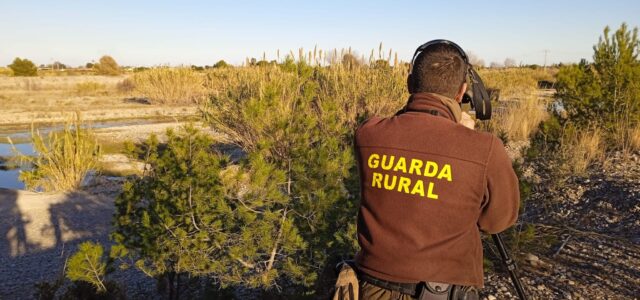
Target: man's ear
460	94
409	85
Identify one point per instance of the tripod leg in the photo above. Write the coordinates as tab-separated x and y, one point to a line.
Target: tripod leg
511	266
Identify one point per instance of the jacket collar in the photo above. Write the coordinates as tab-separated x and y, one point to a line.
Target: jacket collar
434	104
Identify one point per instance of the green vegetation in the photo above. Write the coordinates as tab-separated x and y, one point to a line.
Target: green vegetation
23	67
221	64
63	159
86	270
107	66
605	93
195	214
89	265
279	215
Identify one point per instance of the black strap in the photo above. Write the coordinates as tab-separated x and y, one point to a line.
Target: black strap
405	288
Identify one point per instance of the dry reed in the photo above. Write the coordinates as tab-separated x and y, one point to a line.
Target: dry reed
170	85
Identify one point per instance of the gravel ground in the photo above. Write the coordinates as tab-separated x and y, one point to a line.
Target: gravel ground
40	231
595	222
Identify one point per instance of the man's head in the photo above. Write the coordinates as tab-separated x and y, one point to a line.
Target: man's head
439	69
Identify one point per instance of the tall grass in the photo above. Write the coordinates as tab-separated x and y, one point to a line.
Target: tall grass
90	88
518	120
63	159
581	149
515	82
359	91
170	85
624	135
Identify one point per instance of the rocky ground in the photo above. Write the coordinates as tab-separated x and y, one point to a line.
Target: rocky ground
587	234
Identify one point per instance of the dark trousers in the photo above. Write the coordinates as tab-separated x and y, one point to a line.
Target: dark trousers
369	291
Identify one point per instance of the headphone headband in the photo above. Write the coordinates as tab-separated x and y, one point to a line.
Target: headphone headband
439	42
479	99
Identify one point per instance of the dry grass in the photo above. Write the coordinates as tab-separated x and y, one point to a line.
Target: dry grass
624	135
90	88
358	91
55	98
518	120
582	149
513	83
170	85
634	138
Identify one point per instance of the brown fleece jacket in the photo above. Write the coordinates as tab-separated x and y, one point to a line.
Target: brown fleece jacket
429	186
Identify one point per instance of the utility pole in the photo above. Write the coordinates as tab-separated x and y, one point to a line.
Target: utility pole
546	52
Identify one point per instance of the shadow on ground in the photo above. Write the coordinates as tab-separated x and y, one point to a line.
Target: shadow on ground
38	232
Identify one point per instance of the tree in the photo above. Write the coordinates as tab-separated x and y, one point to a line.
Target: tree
297	122
350	61
23	67
381	64
194	213
58	66
88	265
221	64
605	91
107	66
509	62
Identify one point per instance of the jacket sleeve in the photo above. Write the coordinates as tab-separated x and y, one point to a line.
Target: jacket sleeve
502	193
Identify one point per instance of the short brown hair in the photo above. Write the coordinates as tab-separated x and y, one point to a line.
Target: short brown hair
438	69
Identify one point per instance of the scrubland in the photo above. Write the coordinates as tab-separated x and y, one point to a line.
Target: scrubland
266	206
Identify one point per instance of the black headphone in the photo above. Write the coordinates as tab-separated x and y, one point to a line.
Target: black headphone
479	97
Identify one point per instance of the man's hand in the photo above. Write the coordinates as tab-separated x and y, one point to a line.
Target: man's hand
467	121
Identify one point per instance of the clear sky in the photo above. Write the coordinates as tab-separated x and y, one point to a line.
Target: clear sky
203	32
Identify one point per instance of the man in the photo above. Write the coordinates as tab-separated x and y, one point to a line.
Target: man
429	185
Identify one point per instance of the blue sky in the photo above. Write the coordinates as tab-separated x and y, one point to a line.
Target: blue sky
202	32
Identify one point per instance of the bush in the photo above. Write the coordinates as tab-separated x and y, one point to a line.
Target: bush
170	85
62	160
125	86
23	67
107	66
